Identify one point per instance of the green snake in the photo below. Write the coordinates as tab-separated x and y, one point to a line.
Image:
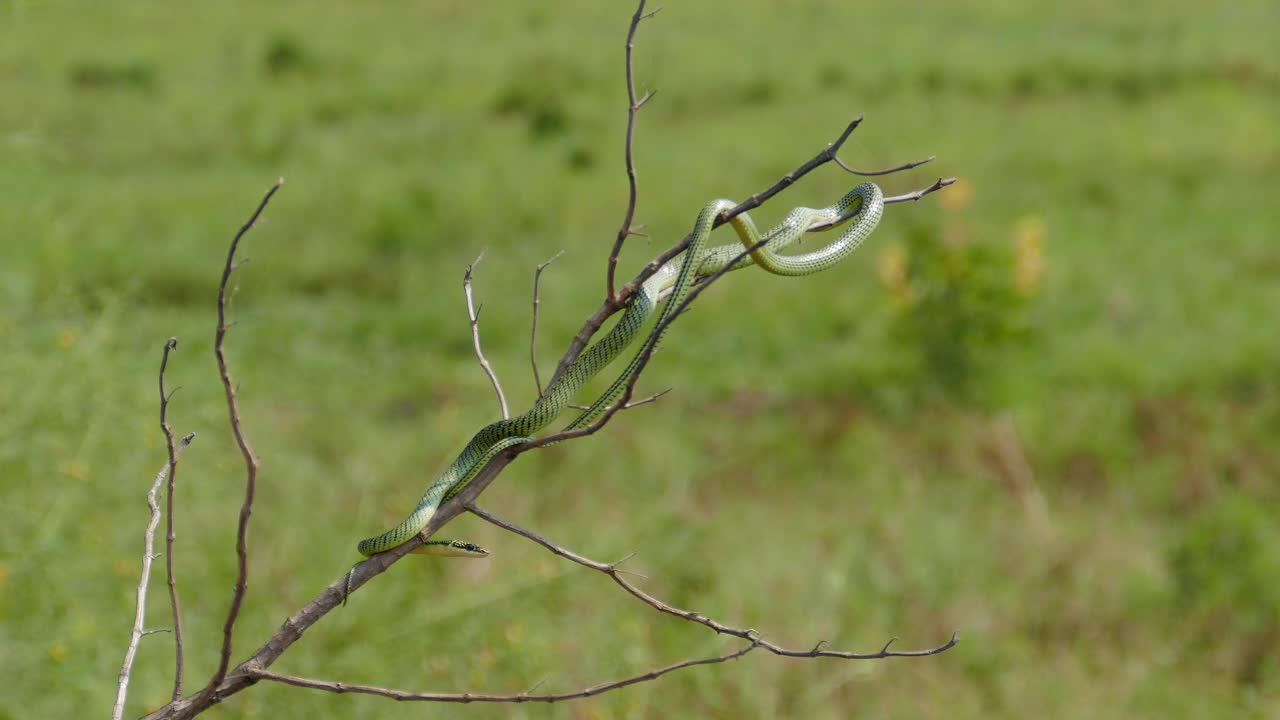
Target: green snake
865	204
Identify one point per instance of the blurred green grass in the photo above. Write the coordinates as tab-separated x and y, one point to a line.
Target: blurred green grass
835	460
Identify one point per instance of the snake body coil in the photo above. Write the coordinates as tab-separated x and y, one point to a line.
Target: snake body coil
865	204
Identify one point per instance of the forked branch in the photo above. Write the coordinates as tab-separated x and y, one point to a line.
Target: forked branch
756	640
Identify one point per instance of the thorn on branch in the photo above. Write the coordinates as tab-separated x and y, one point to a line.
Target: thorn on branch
647	96
533	687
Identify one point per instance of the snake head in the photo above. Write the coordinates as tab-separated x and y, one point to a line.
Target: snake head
451	548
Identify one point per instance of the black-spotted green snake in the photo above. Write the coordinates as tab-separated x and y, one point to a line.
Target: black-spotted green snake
864	204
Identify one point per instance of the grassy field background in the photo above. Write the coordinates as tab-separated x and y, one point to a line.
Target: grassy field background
1040	408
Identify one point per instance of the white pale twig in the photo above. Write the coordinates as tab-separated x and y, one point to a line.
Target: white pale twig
473	314
148	554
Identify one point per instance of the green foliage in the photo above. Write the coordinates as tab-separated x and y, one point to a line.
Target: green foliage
1225	569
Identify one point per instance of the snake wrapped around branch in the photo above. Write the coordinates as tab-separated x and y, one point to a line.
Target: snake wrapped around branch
863	205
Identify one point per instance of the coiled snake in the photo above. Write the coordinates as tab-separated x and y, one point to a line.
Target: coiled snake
865	204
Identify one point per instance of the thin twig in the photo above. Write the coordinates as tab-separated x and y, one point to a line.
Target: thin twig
170	536
633	108
611	569
643	401
148	555
533	335
914	196
473	315
250	460
524	697
890	171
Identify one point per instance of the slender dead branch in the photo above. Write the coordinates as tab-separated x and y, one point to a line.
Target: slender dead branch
170	536
914	196
148	555
250	459
633	108
611	569
524	697
787	180
473	314
889	171
533	335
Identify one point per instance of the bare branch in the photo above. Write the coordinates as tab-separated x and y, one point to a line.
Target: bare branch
250	460
533	338
524	697
633	107
474	316
243	675
787	180
913	196
890	171
148	555
611	569
170	536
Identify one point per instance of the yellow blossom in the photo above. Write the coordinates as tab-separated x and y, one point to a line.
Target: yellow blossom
958	196
1028	253
74	469
891	266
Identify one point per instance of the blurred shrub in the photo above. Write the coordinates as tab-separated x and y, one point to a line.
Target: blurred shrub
957	301
284	54
541	97
98	75
1226	568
